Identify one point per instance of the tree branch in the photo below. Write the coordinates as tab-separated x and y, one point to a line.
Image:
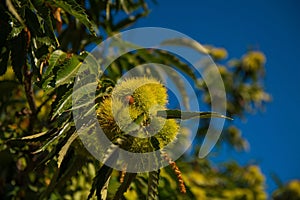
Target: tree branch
29	92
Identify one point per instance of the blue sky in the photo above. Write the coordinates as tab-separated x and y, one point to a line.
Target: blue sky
274	28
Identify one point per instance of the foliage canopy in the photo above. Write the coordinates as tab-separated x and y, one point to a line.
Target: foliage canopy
42	45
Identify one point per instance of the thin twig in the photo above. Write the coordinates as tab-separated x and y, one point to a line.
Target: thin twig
30	96
29	91
28	83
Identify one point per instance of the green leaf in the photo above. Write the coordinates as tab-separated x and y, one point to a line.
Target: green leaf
45	13
56	57
71	166
73	8
89	60
33	23
42	51
141	184
15	31
155	143
64	103
34	137
13	11
153	185
100	181
131	6
18	53
129	177
186	42
67	72
178	114
61	138
65	148
124	5
65	129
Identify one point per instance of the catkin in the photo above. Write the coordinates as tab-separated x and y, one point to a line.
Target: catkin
176	171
